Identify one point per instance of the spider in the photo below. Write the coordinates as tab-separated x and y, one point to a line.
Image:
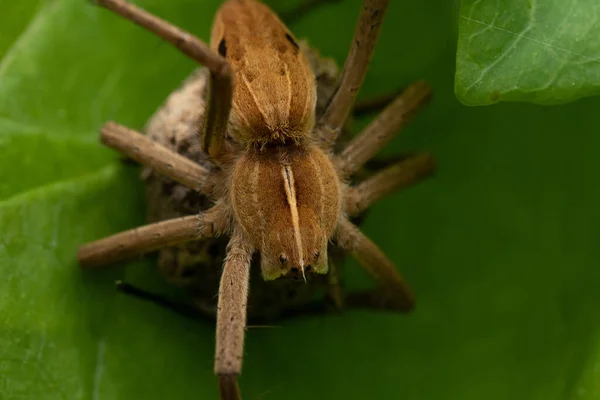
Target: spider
279	191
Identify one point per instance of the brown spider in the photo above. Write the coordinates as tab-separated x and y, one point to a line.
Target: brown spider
278	189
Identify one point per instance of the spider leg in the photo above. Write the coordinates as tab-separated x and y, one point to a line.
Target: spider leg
383	128
395	177
221	89
163	160
152	237
394	290
355	68
231	315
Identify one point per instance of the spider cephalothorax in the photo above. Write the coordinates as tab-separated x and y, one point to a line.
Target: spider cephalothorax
287	201
268	165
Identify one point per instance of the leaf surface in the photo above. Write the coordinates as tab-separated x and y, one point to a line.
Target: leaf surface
538	51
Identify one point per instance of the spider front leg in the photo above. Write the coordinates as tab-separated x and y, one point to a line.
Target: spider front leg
221	88
231	315
355	69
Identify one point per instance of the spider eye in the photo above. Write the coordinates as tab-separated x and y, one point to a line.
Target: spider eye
283	258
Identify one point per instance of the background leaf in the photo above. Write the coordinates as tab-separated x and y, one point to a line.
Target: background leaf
539	51
501	246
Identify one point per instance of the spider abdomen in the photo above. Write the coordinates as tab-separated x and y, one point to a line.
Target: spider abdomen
274	91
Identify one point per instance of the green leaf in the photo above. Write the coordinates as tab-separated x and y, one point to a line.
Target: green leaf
538	51
500	247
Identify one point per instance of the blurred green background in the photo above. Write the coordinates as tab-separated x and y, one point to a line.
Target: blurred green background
501	246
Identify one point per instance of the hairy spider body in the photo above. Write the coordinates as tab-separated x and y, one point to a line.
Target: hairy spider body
277	187
197	265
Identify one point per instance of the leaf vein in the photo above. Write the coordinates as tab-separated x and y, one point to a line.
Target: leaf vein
532	39
519	37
